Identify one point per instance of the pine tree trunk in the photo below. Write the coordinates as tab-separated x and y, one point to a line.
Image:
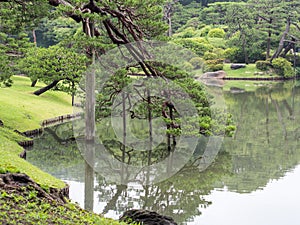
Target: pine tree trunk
34	37
170	26
268	45
47	88
33	83
281	43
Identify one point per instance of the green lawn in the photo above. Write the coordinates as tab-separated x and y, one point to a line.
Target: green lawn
249	71
21	110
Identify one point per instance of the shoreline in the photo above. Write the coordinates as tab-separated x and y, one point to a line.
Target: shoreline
59	193
19	185
262	78
45	123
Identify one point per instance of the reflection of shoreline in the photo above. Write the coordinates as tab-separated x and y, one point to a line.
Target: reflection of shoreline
265	146
276	204
249	201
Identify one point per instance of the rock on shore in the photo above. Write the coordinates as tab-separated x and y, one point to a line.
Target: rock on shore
146	217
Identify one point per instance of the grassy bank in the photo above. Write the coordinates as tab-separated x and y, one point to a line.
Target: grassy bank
250	71
21	110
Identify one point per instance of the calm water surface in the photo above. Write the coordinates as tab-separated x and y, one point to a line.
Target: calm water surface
254	179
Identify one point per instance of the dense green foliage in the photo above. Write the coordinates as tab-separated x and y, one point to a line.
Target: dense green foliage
253	31
54	64
283	67
12	49
263	65
16	22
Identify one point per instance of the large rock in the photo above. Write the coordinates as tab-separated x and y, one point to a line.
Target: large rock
216	75
146	217
236	66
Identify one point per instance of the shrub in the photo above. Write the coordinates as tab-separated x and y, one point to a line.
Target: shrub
216	33
218	42
214	61
201	40
283	67
213	65
196	62
290	58
263	65
188	32
209	56
204	31
231	54
219	52
197	45
187	66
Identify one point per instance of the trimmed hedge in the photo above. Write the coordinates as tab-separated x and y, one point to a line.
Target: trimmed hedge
213	65
216	33
263	65
283	67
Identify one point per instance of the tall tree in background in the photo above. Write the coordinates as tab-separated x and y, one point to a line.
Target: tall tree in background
168	13
241	24
17	17
258	24
182	14
290	36
270	18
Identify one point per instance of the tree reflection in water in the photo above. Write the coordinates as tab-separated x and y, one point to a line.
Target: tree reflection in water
265	147
179	197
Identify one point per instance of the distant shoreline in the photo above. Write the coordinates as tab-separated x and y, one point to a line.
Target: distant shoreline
262	78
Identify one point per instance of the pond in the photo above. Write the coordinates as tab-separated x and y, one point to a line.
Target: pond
254	178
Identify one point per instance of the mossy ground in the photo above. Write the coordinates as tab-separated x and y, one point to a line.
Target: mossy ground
23	206
21	110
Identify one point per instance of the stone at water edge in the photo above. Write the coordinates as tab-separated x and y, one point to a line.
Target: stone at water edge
146	217
236	90
216	75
